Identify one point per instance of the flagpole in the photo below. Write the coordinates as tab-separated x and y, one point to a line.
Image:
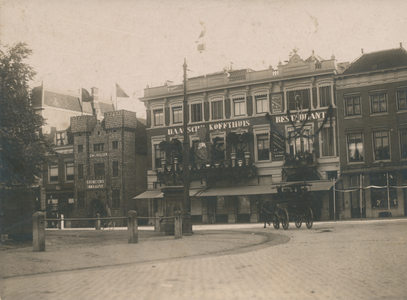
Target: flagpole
115	94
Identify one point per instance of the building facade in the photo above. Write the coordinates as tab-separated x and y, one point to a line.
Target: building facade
243	128
372	115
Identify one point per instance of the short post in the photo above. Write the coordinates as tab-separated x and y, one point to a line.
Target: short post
39	231
157	223
62	222
97	226
132	229
178	225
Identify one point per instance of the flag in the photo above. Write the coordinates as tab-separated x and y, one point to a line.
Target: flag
201	40
120	93
86	97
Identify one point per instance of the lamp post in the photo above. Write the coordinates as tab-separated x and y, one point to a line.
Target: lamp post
186	224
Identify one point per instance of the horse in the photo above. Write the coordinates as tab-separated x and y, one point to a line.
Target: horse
266	210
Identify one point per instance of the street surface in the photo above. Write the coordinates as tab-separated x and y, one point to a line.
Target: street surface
333	260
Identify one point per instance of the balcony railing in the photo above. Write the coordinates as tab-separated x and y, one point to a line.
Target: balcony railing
300	159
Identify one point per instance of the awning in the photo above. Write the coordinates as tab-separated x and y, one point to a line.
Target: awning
149	194
238	191
320	185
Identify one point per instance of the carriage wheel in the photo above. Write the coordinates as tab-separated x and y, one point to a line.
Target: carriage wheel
298	221
276	222
309	218
285	220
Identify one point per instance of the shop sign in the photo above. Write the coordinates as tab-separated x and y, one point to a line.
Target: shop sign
98	154
212	127
301	117
95	184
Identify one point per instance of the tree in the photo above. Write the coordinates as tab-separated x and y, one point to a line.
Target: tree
23	148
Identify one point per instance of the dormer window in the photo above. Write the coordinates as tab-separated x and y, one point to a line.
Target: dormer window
61	139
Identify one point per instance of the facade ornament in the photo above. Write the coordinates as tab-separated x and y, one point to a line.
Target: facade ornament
248	89
270	86
205	96
280	84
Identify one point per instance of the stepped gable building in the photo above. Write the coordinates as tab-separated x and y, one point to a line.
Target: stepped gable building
243	128
372	114
110	163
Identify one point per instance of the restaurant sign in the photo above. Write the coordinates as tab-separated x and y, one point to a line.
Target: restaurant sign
301	117
95	184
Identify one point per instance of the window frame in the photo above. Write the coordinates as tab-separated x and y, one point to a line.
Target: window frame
333	139
375	146
71	165
266	101
222	136
242	99
398	91
61	138
162	118
156	141
53	166
328	88
221	101
258	133
172	117
348	148
196	102
80	148
115	168
345	103
99	165
401	130
97	147
80	170
371	98
115	145
310	141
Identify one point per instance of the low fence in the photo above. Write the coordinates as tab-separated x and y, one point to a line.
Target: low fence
39	221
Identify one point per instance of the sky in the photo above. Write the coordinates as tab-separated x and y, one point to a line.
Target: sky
134	43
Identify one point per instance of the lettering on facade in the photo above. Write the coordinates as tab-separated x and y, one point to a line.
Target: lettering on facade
212	127
95	184
98	154
301	117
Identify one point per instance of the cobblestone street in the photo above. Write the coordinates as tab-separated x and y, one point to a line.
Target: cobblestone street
342	260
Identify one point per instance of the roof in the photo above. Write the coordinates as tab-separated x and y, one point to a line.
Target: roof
379	60
105	107
63	101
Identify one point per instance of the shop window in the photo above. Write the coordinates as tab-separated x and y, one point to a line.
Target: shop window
299	99
263	147
115	145
355	147
158	117
115	168
196	112
261	103
403	143
81	199
69	171
401	100
177	115
380	195
80	171
325	96
217	109
80	148
381	145
53	173
378	103
239	106
99	170
327	141
98	147
116	198
352	106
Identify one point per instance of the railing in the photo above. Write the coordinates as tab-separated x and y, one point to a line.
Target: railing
39	221
299	159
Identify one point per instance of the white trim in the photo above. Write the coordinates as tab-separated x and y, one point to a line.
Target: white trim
261	92
156	107
238	95
176	104
216	99
260	131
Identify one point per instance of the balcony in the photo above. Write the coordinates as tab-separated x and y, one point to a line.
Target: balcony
300	167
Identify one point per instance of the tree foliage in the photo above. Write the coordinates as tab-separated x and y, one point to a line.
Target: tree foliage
23	148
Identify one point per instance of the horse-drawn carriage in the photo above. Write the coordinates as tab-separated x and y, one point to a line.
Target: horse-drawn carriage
292	202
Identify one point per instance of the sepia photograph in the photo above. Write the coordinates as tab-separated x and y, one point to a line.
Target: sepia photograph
219	149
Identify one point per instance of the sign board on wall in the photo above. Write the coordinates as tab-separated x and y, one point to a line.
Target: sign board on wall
277	103
95	184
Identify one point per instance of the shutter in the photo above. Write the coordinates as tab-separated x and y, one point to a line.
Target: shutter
227	108
167	116
206	111
148	113
249	105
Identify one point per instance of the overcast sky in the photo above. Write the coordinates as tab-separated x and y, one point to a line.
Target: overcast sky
135	43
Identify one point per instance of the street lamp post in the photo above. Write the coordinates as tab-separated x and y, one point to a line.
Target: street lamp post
186	224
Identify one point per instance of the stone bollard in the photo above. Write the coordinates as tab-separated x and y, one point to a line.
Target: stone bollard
97	223
132	227
157	223
39	231
178	225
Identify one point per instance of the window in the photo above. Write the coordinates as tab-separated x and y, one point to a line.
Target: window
99	170
98	147
115	168
158	156
61	138
80	171
115	198
80	148
239	106
352	106
403	143
299	99
115	145
218	149
53	173
196	112
401	100
177	115
158	117
378	103
355	147
327	141
69	171
81	199
299	144
263	147
325	96
217	109
261	103
381	145
379	195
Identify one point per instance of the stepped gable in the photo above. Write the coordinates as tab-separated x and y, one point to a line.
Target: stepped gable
379	60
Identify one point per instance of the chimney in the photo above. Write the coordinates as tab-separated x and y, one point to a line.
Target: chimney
362	50
401	45
95	103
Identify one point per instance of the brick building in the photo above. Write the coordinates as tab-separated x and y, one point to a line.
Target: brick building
241	127
372	116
